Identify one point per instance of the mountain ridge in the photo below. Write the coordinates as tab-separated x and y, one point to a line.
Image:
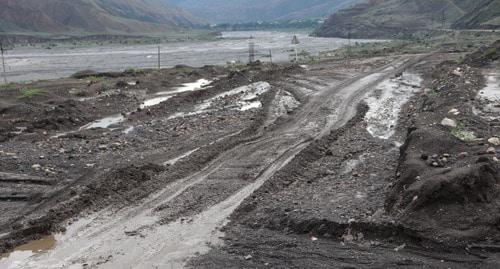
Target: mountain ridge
92	16
241	11
393	18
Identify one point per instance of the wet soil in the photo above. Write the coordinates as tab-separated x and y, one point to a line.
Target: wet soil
422	198
266	166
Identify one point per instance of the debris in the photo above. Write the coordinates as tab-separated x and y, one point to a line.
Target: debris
248	257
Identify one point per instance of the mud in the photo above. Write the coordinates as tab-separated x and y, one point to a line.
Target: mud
266	166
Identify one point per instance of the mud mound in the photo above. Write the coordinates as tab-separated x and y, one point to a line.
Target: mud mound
454	196
123	180
447	185
32	116
484	56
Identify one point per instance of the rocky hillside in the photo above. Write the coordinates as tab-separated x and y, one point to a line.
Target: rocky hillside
91	16
223	11
390	18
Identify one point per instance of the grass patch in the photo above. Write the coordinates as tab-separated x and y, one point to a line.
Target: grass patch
31	92
95	78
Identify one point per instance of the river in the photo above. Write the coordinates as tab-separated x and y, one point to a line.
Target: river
27	63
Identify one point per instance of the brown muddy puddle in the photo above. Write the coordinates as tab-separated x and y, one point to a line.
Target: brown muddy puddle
11	259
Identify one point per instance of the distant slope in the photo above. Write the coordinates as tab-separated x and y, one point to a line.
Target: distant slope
485	15
91	16
232	11
389	18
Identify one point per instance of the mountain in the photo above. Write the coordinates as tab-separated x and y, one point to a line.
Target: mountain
233	11
485	15
390	18
91	16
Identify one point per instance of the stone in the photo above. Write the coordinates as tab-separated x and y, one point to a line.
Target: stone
494	141
491	150
454	111
449	123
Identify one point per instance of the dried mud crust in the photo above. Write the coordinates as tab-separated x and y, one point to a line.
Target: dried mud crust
447	186
112	169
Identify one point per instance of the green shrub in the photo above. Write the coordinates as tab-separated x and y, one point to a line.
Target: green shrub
31	92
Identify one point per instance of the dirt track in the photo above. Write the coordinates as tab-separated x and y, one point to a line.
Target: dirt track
156	188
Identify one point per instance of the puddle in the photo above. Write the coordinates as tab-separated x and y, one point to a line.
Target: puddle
188	87
250	105
154	101
492	90
175	160
13	259
128	130
386	101
490	97
246	101
105	122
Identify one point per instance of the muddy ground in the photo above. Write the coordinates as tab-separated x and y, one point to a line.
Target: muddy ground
385	162
326	209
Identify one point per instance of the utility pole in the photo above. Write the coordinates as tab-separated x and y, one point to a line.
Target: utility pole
271	56
296	42
349	45
251	52
443	18
159	61
3	63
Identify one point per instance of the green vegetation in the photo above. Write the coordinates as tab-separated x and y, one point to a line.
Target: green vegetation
461	133
77	40
272	25
306	57
104	87
8	85
31	92
432	93
95	78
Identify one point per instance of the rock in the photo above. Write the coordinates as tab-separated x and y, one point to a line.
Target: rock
400	247
36	166
494	141
491	150
449	123
248	257
463	154
424	157
458	72
103	147
454	111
